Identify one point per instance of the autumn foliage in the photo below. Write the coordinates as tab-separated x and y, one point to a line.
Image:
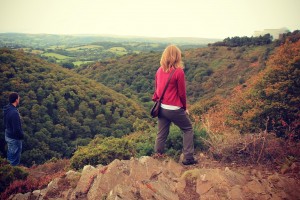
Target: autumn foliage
261	117
39	177
271	101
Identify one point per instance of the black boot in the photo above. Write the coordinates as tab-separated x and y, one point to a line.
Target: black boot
191	161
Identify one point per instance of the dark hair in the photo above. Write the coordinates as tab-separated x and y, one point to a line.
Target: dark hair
13	97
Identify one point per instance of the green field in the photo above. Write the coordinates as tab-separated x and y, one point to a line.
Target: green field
57	47
78	63
118	50
37	52
56	55
85	47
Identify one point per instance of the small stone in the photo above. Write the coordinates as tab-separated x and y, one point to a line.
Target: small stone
236	192
180	185
256	187
259	175
295	168
203	188
203	178
253	172
284	169
35	194
70	172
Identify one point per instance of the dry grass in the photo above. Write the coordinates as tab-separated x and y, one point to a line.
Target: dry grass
229	145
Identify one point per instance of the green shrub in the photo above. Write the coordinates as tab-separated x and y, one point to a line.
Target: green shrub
200	135
8	174
102	151
141	143
143	139
144	149
174	142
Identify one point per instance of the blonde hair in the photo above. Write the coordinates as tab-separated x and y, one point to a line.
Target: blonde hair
171	57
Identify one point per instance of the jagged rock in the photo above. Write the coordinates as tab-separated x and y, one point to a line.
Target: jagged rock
35	195
43	193
255	187
236	192
180	185
20	196
149	178
234	178
86	180
203	188
52	189
295	167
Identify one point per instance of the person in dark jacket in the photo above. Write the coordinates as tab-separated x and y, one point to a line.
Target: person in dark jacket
13	129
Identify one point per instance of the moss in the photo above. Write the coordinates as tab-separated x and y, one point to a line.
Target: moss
191	174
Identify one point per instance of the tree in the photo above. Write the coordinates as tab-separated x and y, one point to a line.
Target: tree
280	90
272	99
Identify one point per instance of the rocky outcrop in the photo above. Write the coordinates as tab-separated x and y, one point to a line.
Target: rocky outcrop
149	178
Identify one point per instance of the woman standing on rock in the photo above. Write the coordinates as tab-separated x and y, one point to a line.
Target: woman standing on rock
173	106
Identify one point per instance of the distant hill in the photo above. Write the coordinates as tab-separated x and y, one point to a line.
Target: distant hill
71	51
42	40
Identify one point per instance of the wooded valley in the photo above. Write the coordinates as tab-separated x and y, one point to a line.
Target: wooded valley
99	111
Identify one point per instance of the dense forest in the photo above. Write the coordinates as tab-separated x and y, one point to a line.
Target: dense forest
209	71
245	88
60	109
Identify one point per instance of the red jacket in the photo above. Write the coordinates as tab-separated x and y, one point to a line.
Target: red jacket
175	94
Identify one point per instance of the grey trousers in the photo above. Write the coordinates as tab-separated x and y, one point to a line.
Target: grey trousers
180	119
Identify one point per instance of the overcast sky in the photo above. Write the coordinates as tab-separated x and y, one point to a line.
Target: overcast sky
155	18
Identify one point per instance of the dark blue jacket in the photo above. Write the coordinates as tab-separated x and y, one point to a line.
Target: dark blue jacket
12	122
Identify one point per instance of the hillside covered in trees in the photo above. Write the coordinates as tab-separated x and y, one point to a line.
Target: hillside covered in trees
60	109
209	71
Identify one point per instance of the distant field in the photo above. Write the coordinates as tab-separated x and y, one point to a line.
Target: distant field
153	45
56	55
85	47
137	44
25	49
118	50
57	47
78	63
37	52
